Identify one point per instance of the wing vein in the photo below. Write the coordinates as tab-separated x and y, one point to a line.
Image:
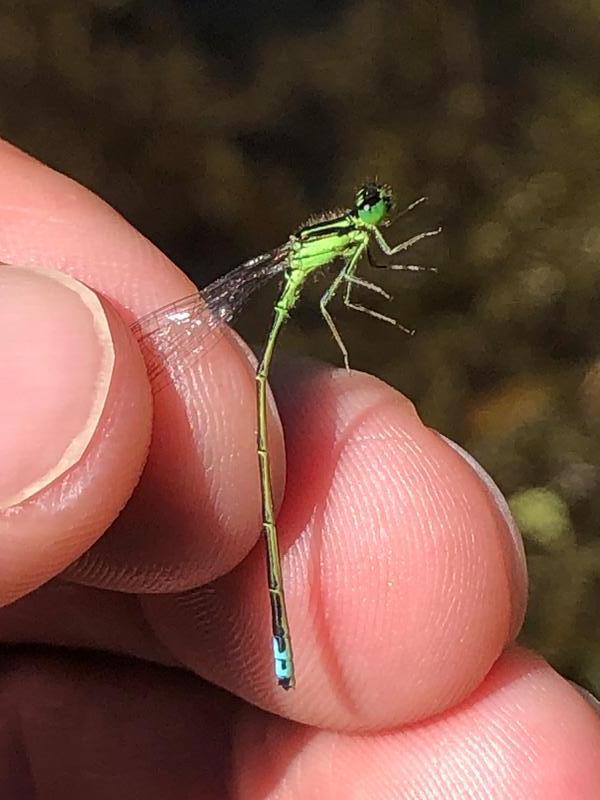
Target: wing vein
175	335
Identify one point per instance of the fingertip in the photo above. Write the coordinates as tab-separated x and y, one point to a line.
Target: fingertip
47	218
524	734
510	537
74	422
202	472
399	592
50	410
405	548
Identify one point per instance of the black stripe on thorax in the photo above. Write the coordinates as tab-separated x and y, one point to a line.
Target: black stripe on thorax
330	227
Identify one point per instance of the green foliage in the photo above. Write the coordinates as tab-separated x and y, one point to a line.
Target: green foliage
542	517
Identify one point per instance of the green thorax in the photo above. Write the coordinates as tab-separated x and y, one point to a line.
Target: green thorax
325	238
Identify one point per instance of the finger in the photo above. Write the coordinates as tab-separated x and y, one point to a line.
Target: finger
98	727
404	580
128	729
75	418
65	614
196	511
50	220
525	733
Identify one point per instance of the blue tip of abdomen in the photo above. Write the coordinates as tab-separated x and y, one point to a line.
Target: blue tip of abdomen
284	665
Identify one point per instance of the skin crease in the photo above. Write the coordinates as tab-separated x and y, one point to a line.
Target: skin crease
405	583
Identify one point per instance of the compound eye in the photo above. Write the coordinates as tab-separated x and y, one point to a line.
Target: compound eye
368	197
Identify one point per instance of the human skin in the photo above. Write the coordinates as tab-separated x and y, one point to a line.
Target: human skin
133	584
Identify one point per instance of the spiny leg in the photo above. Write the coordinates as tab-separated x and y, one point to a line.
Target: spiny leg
325	299
390	251
356	307
408	208
367	285
412	205
406	267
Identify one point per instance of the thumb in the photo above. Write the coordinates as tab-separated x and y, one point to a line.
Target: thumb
75	423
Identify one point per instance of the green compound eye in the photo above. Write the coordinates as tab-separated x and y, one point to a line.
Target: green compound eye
373	203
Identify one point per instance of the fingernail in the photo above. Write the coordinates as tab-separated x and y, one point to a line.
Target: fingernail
518	565
56	362
587	696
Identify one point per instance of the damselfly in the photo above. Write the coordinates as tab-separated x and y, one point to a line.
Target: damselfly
178	332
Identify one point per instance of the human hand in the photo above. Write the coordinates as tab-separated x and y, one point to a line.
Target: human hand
404	575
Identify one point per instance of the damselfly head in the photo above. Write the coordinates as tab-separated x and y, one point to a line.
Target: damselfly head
374	202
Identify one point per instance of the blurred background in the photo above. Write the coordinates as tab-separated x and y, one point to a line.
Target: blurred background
217	127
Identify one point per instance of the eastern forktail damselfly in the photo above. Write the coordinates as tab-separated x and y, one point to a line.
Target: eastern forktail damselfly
176	333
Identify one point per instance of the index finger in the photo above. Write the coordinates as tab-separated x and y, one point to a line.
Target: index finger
196	511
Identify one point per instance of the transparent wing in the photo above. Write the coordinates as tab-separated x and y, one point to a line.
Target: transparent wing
177	334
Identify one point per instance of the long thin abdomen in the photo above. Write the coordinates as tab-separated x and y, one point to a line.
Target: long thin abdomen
282	645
